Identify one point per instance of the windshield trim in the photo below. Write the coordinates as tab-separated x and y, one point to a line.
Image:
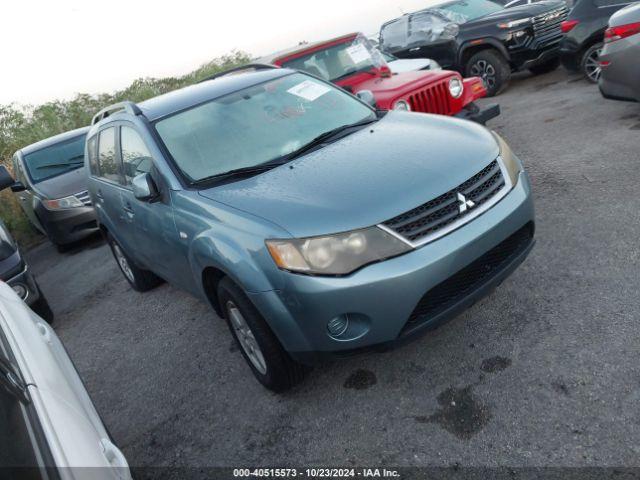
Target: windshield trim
192	184
27	168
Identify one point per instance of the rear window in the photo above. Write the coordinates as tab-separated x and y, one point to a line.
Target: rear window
56	159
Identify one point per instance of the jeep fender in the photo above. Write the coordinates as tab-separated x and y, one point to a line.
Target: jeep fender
480	44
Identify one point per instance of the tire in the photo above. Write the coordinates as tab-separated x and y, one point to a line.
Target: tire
492	68
42	308
546	67
588	64
139	279
269	362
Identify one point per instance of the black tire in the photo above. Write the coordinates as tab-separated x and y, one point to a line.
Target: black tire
139	279
281	372
492	67
546	67
589	69
42	308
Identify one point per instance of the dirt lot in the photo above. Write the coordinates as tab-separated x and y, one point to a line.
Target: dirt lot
545	371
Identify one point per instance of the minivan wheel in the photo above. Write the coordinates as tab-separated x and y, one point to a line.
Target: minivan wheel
139	279
492	68
269	362
590	63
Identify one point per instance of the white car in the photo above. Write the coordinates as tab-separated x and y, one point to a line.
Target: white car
47	419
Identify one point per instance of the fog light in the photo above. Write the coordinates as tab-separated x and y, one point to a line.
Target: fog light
338	325
20	290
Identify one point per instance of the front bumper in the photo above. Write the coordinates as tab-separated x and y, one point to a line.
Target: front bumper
479	115
380	299
539	58
67	225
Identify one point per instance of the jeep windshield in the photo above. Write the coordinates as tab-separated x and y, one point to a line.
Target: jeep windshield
339	61
262	125
56	159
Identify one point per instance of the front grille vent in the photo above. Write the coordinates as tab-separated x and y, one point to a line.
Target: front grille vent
434	98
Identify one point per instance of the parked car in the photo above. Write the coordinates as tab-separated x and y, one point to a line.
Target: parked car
51	186
15	272
620	58
352	63
336	229
584	35
49	427
480	38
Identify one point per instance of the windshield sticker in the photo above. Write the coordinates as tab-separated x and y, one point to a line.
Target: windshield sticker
359	53
309	90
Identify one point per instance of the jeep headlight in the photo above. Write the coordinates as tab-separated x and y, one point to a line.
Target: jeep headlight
455	87
402	105
509	159
62	203
338	254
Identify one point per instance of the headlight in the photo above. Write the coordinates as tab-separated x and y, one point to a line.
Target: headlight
511	161
455	87
62	203
515	23
338	254
402	105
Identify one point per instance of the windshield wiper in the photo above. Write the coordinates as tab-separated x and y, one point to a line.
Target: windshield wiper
12	382
239	172
323	137
58	165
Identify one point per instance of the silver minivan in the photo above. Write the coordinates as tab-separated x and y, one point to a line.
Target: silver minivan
51	186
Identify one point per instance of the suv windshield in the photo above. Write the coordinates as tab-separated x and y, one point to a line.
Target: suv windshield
56	159
339	61
256	125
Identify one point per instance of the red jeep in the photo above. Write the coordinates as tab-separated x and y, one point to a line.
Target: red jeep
353	63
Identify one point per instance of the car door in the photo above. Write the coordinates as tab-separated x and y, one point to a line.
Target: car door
26	197
153	221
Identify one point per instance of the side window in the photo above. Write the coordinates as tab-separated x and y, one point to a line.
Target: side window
136	158
92	151
107	161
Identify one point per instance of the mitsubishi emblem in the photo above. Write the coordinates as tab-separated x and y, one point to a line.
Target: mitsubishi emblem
464	204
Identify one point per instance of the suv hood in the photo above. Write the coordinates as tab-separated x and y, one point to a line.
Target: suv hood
381	171
63	185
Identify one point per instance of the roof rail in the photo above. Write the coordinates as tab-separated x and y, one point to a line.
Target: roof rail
127	106
249	66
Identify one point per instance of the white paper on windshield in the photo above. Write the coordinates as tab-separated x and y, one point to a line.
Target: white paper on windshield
309	90
358	53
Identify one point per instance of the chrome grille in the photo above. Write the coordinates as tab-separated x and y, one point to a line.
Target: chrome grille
436	217
546	27
84	197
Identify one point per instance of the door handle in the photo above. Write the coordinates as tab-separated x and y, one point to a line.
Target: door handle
99	194
127	207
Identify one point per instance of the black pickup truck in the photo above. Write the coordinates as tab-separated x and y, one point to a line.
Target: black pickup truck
481	38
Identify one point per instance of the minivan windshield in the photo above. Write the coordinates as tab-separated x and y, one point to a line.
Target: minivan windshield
56	159
256	125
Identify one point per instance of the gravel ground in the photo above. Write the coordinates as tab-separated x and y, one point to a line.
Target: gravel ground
543	372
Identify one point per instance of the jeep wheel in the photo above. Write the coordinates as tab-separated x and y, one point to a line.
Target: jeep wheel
590	64
269	362
139	279
546	67
492	68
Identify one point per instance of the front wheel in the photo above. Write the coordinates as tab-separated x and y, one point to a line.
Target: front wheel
269	362
492	68
546	67
590	63
139	279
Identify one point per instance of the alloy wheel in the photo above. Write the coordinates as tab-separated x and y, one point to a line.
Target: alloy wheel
246	338
123	262
592	66
485	71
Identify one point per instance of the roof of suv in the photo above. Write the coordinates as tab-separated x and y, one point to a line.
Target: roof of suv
177	100
47	142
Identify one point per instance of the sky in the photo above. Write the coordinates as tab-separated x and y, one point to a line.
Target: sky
56	49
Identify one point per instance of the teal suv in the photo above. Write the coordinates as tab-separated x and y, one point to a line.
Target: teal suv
315	225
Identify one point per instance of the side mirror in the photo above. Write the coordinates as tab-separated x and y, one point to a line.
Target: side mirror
144	188
367	97
6	180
